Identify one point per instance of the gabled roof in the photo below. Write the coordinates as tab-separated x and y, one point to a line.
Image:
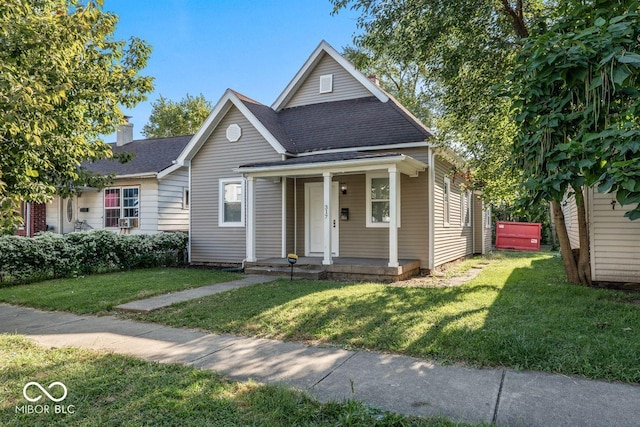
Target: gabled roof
353	124
150	156
325	49
246	106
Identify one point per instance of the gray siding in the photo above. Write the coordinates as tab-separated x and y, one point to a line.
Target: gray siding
615	241
358	240
216	160
487	231
291	229
344	85
478	225
172	214
268	219
453	241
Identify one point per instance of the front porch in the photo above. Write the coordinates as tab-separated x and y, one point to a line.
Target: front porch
342	268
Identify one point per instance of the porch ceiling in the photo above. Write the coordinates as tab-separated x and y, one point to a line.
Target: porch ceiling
335	163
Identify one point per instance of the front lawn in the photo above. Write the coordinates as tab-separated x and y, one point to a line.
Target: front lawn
101	292
110	390
519	312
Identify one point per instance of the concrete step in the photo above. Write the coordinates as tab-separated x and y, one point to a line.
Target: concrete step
299	273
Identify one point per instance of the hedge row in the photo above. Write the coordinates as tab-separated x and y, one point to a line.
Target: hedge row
50	255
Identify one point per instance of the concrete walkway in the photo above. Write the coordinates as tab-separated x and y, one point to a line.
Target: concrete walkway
395	383
165	300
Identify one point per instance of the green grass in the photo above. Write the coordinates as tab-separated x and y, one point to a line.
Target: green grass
519	312
112	390
99	293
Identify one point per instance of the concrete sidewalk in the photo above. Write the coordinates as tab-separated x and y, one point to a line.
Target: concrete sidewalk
395	383
165	300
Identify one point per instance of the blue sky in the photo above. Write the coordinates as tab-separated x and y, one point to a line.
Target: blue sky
206	46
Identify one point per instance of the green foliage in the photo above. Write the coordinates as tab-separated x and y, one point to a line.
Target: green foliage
169	118
52	255
63	78
112	390
463	49
578	103
514	313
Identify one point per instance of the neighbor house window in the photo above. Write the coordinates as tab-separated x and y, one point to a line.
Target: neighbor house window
121	202
378	193
446	200
185	198
231	203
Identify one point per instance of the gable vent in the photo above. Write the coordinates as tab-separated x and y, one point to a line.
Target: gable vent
326	83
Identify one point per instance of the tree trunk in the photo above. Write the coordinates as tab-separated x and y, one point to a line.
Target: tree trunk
568	260
584	259
554	235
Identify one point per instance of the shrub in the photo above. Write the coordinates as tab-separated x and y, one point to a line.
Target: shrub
50	255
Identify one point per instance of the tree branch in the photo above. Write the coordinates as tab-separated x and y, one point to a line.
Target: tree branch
516	17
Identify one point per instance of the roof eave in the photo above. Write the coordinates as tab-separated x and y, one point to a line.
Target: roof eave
405	164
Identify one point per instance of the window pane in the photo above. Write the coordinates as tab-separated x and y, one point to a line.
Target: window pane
379	188
232	212
233	192
130	202
380	211
111	217
112	198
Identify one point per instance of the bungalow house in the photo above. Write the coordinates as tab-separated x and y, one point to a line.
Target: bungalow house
148	195
614	239
336	171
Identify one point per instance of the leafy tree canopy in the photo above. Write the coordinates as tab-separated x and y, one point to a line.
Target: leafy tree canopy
464	49
169	118
577	99
63	78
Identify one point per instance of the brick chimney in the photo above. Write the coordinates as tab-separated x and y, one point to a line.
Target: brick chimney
125	133
374	79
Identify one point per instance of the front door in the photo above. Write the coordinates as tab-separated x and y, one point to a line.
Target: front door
314	218
67	215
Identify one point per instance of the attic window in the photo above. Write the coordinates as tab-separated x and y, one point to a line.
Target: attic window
326	83
234	132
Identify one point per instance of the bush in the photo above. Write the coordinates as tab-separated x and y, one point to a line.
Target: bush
50	255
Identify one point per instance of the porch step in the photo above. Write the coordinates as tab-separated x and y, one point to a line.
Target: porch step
299	273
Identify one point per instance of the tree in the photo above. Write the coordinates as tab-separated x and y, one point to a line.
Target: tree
169	118
578	104
405	81
466	49
63	78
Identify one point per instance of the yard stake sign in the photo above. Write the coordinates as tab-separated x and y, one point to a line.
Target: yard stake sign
292	258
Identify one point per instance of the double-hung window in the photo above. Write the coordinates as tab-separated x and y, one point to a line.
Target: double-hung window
446	201
231	202
378	196
121	203
465	208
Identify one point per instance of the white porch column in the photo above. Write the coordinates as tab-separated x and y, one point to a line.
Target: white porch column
251	220
393	217
327	219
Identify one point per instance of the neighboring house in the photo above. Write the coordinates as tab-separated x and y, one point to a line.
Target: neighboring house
33	219
614	239
336	169
148	195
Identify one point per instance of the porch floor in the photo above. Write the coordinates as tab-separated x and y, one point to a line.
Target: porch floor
343	268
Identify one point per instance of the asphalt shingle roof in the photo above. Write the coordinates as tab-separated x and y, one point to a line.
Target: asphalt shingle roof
149	156
323	158
352	123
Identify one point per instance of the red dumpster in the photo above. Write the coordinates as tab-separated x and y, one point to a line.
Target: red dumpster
522	236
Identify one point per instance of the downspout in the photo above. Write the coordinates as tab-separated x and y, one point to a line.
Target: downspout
431	207
27	221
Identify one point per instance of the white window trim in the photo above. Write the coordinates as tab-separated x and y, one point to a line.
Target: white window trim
185	198
487	218
446	202
121	189
221	183
465	208
371	224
